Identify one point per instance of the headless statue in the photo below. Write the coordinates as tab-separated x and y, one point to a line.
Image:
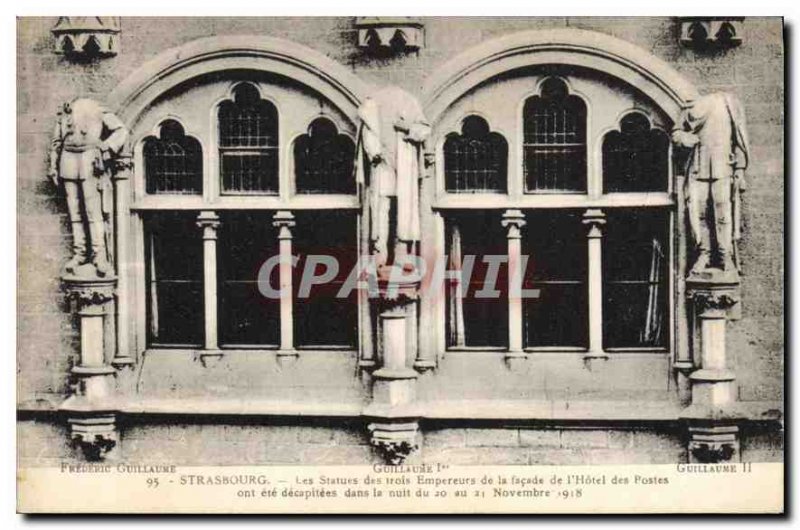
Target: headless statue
713	128
393	129
86	140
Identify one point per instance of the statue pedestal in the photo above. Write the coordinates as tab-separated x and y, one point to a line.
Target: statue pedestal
394	426
713	434
90	409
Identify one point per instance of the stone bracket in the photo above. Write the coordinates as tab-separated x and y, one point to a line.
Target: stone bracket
94	434
707	32
392	33
394	440
713	442
87	36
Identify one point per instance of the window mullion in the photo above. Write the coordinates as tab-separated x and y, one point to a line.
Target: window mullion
284	221
208	220
595	219
514	221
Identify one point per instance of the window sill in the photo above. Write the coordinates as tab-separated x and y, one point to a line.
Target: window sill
556	350
553	200
247	202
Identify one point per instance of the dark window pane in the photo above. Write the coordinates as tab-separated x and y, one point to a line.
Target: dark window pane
475	160
635	158
636	279
250	172
558	317
174	270
173	163
554	124
474	320
555	243
248	143
246	317
323	160
321	318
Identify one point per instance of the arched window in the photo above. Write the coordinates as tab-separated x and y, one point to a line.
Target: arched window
173	162
475	160
323	160
248	143
636	157
554	125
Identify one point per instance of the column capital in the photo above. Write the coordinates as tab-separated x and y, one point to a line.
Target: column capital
208	220
284	221
123	166
513	221
595	219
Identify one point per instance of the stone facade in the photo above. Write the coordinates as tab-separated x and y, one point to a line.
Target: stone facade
48	336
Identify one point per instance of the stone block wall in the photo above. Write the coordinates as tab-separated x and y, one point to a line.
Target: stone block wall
47	334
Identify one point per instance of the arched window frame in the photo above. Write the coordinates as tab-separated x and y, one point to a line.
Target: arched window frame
272	151
158	136
459	132
292	162
213	205
570	94
591	199
654	127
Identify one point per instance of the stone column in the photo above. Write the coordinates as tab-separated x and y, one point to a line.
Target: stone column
713	383
431	250
394	419
713	433
90	409
121	180
284	222
209	222
513	221
595	219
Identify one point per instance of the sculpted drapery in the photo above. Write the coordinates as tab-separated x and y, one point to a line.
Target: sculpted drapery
86	139
714	129
393	129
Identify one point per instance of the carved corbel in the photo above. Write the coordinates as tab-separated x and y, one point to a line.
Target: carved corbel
87	36
95	436
394	441
390	34
711	32
711	444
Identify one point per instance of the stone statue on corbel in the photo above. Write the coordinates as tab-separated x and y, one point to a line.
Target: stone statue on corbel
87	139
390	165
86	157
713	129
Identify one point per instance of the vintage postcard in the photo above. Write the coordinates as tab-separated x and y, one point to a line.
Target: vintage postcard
400	264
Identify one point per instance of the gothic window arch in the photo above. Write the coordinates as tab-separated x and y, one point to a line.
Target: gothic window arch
598	254
636	157
476	160
323	160
248	143
554	140
173	161
261	195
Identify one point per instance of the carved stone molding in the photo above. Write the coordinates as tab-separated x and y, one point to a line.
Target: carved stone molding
396	289
705	300
88	291
711	444
713	294
95	435
394	441
87	36
707	32
396	34
123	166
